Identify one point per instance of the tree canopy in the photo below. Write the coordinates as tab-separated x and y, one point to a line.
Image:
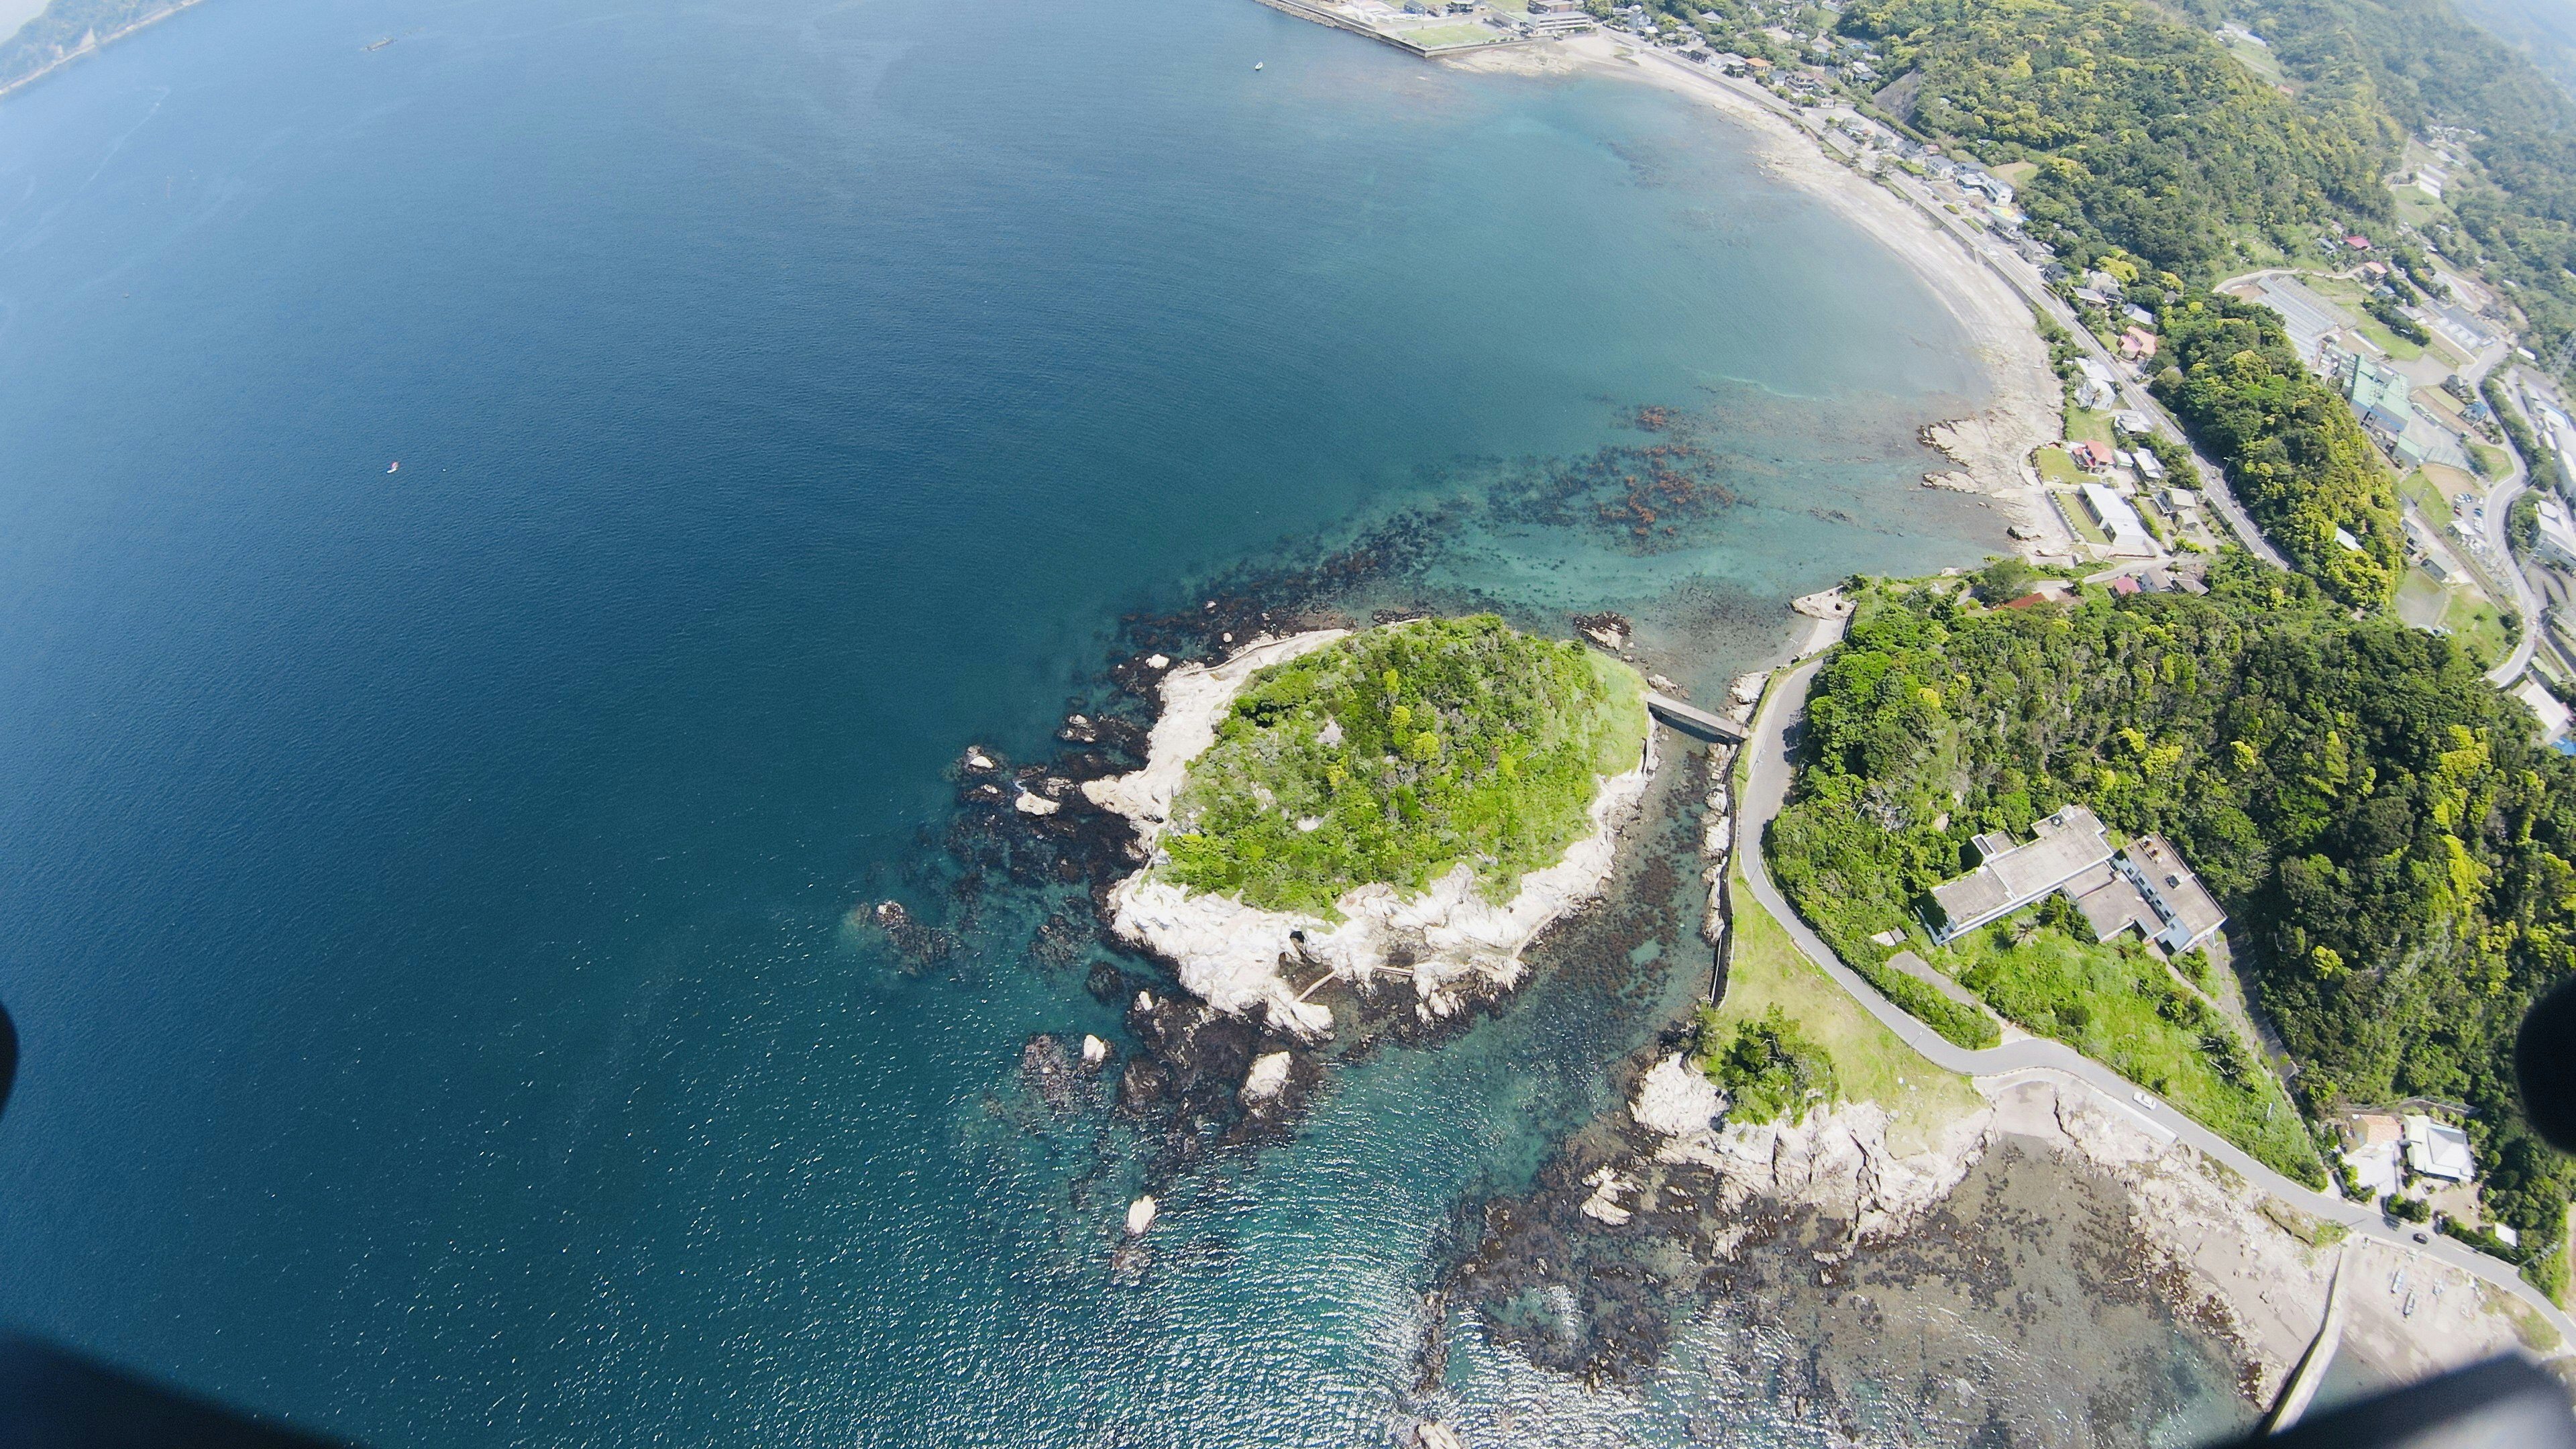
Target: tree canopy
2392	842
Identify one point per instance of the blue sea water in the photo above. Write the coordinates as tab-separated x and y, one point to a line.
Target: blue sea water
425	892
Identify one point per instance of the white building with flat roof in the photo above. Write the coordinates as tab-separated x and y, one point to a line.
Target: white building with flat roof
2127	532
2008	876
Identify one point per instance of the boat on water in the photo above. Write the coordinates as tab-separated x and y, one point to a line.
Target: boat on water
1256	65
394	467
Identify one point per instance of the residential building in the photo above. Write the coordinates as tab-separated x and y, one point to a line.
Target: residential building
2008	876
2186	913
2553	716
2557	542
2127	532
2371	1143
2379	394
2148	889
2438	1149
2151	469
2134	423
2137	343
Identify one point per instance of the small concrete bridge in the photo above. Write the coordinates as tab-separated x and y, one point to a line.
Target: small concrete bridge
1691	719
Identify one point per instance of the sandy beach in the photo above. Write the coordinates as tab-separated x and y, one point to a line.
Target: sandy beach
1989	447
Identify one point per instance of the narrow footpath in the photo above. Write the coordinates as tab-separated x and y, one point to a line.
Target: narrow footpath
1766	789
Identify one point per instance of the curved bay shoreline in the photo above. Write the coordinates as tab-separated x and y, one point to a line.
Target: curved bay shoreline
1750	1204
1990	446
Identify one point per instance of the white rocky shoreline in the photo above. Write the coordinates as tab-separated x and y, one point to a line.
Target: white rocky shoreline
1445	942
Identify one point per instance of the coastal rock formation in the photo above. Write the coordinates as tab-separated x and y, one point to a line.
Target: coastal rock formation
2234	1264
1240	959
1839	1163
1678	1103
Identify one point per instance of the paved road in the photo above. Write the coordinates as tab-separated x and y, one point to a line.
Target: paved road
1767	785
2525	602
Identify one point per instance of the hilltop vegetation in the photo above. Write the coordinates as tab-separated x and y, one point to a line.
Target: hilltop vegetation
2150	138
2147	135
2381	825
1398	753
2293	452
2395	67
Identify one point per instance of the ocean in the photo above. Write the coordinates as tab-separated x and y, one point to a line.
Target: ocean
506	534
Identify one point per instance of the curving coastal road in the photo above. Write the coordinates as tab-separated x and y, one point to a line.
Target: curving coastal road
1767	787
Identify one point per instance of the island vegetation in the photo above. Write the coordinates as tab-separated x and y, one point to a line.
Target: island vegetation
1400	753
2393	843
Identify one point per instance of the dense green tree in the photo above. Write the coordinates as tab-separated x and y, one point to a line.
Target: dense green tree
2148	136
2294	454
2394	845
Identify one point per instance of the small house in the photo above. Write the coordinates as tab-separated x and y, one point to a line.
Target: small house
2438	1149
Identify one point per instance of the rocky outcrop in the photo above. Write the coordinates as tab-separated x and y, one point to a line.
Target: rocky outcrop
1836	1161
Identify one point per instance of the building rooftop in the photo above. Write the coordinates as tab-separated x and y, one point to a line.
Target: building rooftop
2063	846
2128	534
2438	1149
2189	912
2379	394
2111	903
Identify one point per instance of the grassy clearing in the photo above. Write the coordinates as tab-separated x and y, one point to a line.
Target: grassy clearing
2119	1004
1871	1063
2072	509
1435	37
2416	208
2056	467
2083	425
2428	498
2421	602
2387	341
2259	61
2473	620
2492	462
1399	753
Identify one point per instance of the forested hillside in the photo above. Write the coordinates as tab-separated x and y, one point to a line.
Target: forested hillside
2409	64
2149	136
2379	822
2294	454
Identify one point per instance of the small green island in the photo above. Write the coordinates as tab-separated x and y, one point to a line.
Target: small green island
1396	754
1408	804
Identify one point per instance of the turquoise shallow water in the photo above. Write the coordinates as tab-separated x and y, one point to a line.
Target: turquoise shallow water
424	914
